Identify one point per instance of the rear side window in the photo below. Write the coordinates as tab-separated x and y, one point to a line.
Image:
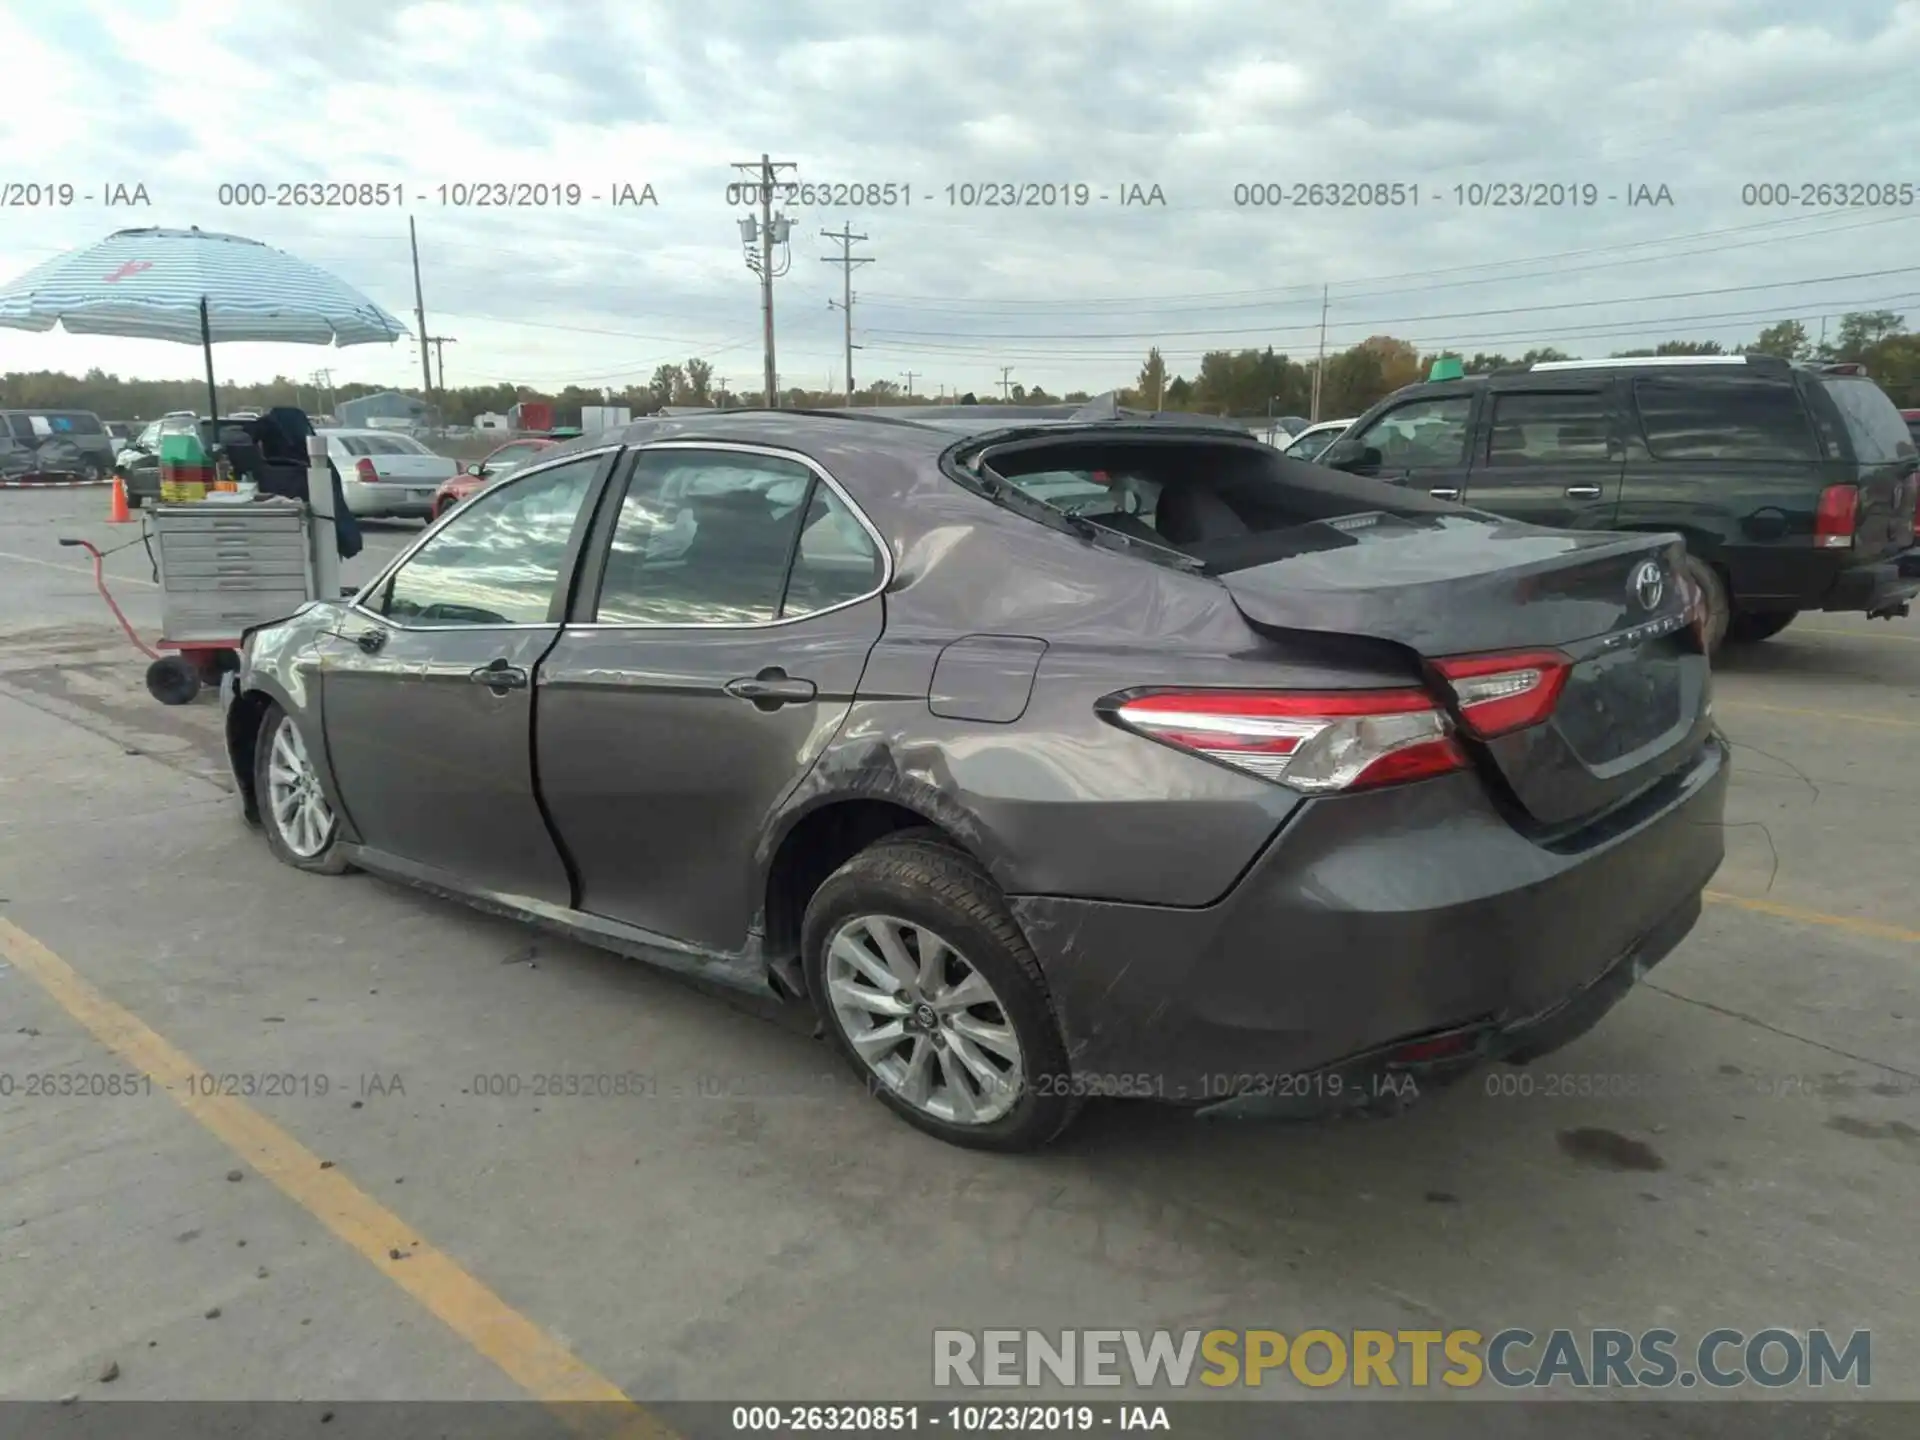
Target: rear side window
1548	429
1694	419
1873	423
74	422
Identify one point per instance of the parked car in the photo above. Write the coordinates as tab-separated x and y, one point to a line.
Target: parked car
1794	485
387	476
1215	777
1312	442
1912	417
121	431
502	461
62	443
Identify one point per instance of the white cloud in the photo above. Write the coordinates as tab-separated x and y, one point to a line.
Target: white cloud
1701	95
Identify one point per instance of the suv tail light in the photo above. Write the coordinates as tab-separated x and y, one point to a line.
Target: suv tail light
1833	521
1318	743
363	470
1499	694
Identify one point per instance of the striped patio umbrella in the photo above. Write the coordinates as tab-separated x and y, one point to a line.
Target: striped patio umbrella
196	287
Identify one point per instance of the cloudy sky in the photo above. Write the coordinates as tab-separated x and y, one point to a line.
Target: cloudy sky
1450	98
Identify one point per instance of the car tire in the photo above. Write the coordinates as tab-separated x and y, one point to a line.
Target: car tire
1746	628
1713	595
292	841
920	888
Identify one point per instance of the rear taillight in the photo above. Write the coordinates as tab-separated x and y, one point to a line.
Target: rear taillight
1499	694
1833	521
363	470
1319	743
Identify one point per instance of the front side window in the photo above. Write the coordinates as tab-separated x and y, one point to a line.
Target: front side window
498	562
1549	429
1717	419
1421	432
725	538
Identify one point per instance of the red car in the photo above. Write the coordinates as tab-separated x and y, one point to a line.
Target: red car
510	456
1912	417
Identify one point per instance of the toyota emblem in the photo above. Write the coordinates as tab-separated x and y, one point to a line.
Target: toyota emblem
1649	585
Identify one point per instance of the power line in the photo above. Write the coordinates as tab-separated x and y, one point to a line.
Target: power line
1504	267
994	336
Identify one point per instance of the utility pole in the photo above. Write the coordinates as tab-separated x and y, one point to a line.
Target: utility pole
908	375
1006	386
846	260
440	355
1320	365
323	381
771	230
420	306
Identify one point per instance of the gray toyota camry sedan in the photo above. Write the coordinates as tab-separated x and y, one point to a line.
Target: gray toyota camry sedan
1045	758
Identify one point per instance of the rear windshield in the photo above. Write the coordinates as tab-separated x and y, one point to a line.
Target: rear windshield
1872	420
381	445
1714	418
1224	505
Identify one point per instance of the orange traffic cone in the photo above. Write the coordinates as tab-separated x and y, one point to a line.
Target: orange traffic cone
117	513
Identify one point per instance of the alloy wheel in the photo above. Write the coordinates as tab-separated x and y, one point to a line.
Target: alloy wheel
299	806
926	1023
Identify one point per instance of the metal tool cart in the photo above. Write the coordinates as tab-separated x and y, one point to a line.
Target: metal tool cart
225	566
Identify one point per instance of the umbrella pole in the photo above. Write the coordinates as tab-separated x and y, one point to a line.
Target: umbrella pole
206	348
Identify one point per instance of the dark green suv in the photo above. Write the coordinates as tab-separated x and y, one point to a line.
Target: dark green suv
1794	485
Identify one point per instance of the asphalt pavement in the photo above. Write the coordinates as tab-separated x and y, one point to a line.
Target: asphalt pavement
298	1150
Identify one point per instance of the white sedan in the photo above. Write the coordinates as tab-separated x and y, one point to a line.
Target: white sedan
1312	442
387	475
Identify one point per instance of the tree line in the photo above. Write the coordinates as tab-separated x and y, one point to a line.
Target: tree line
1249	382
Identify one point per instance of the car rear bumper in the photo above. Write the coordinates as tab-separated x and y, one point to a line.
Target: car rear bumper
382	499
1372	921
1882	586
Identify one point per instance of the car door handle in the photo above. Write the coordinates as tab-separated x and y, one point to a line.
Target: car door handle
1583	492
499	677
1445	492
771	688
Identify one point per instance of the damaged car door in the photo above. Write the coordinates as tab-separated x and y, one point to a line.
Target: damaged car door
725	614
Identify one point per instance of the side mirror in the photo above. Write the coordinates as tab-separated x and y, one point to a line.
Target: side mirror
474	469
1352	457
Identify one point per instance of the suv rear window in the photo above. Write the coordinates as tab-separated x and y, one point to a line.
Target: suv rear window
1873	423
1716	419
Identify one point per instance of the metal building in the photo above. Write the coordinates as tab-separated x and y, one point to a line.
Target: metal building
389	407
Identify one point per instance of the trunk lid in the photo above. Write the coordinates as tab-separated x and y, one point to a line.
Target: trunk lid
413	469
1635	702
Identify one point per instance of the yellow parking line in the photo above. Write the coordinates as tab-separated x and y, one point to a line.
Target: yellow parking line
535	1360
1855	634
1723	704
1816	917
